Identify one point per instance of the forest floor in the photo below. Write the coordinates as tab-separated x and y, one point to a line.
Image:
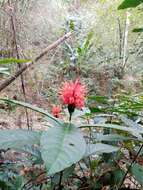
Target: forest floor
18	120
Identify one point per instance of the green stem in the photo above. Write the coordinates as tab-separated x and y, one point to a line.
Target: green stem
60	181
71	109
70	117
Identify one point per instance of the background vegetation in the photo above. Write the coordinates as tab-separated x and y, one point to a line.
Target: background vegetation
105	52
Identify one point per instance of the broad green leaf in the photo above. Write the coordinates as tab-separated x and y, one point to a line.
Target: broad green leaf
61	147
13	60
100	148
137	172
35	152
17	139
138	30
130	3
32	107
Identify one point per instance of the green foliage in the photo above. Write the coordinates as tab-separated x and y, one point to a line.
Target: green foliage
137	172
112	138
100	148
130	3
87	153
99	99
12	60
10	181
123	104
118	176
32	107
61	147
4	70
138	30
17	139
82	50
133	131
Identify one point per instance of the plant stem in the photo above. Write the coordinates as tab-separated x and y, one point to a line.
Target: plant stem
60	181
71	109
133	161
70	117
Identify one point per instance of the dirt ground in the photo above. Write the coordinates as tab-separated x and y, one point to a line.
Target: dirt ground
18	120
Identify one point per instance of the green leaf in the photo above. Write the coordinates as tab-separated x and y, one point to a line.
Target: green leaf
66	174
137	172
136	127
97	110
117	127
129	122
5	185
61	147
99	99
118	175
17	139
129	3
110	137
72	25
32	107
13	60
138	30
4	70
100	148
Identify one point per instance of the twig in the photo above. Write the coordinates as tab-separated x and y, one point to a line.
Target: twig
31	180
8	81
81	169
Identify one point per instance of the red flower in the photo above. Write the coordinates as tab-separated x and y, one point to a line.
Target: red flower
56	111
73	94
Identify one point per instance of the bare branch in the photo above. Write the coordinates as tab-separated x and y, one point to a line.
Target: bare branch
8	81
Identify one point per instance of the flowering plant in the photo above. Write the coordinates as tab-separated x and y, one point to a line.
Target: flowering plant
73	95
63	146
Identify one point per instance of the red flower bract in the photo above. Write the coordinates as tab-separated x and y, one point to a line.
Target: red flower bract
56	111
73	93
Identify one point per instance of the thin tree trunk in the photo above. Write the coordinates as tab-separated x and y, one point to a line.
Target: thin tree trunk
125	48
16	52
120	39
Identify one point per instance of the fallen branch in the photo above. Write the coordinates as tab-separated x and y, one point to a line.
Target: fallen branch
9	80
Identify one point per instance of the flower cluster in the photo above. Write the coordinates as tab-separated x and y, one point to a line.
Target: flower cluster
56	111
73	93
